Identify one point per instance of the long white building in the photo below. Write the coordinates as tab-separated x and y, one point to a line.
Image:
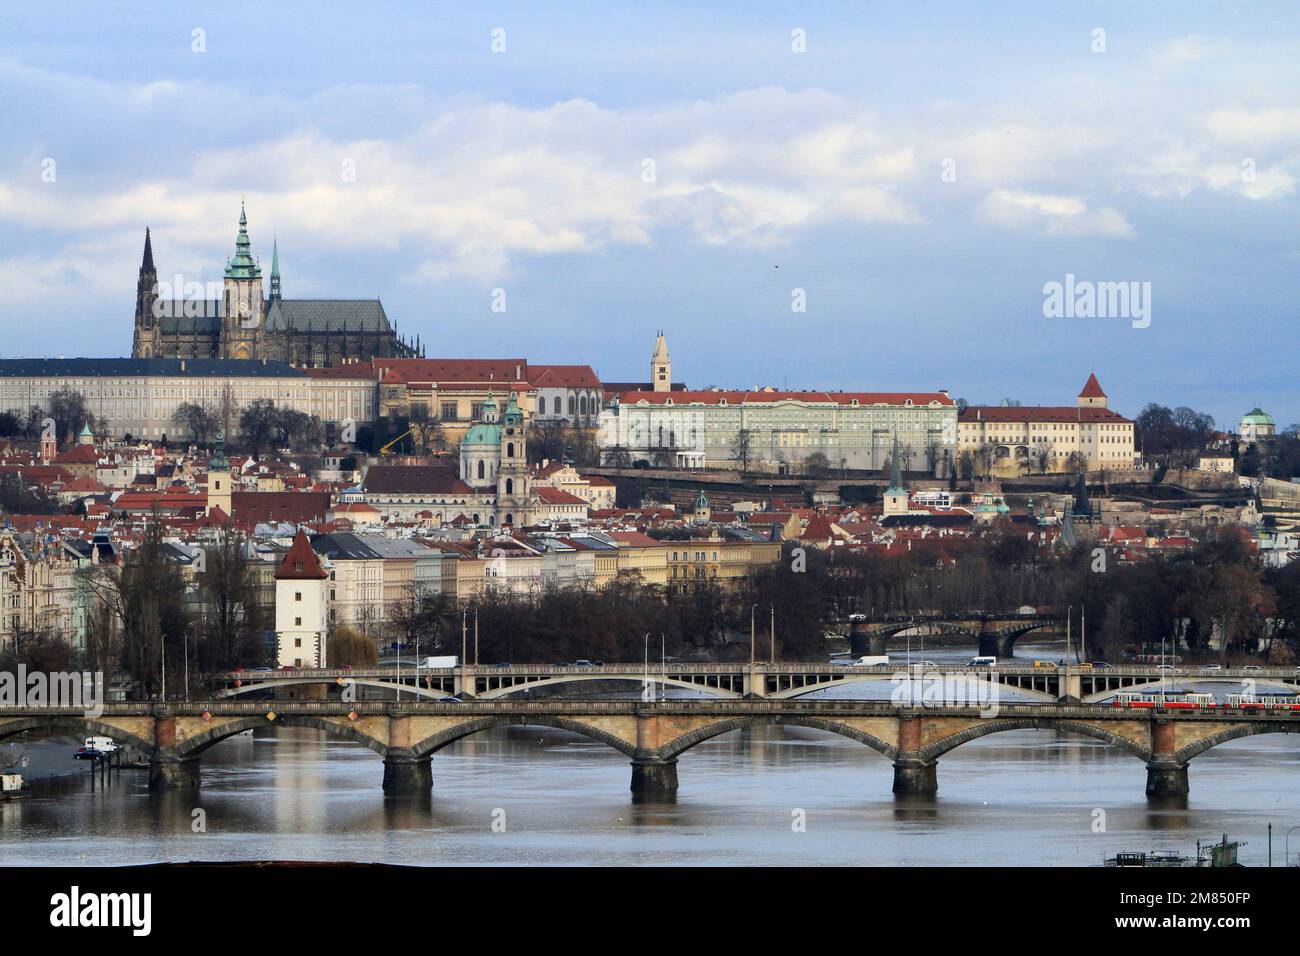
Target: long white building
140	396
716	428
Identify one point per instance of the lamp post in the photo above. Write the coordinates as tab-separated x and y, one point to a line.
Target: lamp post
752	609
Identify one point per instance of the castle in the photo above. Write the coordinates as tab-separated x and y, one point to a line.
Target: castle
246	324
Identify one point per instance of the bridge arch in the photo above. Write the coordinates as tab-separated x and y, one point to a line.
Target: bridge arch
686	741
985	727
435	742
499	692
76	726
199	743
430	692
1232	733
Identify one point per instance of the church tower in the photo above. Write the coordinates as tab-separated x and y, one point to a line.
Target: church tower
219	490
242	324
512	476
1092	396
661	366
145	341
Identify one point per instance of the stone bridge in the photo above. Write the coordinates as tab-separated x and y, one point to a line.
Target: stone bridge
995	636
652	736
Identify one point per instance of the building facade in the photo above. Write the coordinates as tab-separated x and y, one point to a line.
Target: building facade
769	428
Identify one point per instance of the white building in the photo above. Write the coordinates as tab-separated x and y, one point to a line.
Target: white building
301	607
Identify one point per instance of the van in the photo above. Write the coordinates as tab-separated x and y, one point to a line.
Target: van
1044	664
873	660
982	662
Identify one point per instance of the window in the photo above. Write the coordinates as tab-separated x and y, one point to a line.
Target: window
480	468
449	411
297	622
297	595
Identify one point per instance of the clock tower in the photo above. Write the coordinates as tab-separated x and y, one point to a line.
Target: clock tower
243	325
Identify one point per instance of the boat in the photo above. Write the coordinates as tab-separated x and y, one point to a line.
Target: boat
97	748
1221	853
12	786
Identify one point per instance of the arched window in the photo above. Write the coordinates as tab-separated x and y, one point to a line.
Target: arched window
571	404
480	468
541	406
582	404
510	449
510	486
510	519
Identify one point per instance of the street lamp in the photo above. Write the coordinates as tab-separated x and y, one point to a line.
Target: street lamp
752	609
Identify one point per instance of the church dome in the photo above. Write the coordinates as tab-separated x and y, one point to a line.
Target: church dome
484	433
1257	416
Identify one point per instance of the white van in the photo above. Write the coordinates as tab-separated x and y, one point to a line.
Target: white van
873	660
982	662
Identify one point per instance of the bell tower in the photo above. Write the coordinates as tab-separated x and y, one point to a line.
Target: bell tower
512	476
242	321
661	366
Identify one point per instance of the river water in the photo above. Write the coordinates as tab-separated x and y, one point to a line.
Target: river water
763	795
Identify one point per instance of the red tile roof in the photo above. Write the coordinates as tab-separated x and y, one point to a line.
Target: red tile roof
1040	413
301	563
1092	388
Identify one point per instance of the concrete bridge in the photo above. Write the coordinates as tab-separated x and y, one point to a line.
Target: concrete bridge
1056	684
652	736
996	635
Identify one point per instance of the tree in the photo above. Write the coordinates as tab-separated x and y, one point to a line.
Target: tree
199	420
347	647
230	603
740	449
817	465
257	423
70	413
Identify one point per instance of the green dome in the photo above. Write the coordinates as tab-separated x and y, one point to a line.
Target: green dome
1257	416
483	433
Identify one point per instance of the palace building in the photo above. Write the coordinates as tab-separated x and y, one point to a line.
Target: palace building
247	322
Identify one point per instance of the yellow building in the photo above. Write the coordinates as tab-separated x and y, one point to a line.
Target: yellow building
1029	439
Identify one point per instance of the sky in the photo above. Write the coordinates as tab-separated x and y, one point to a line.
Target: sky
858	196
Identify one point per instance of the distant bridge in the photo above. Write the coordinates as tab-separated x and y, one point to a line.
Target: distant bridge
652	736
730	681
996	634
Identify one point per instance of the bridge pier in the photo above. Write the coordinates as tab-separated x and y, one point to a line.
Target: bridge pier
404	774
912	774
1166	777
654	776
168	772
915	776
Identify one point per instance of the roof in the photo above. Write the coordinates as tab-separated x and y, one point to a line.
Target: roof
1092	387
267	507
409	479
301	563
1039	413
557	496
456	370
117	367
737	397
78	455
1258	416
563	376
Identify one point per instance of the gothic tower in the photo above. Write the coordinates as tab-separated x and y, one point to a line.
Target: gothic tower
512	476
144	342
661	366
242	321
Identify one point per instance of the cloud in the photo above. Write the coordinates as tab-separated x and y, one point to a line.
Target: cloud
1053	215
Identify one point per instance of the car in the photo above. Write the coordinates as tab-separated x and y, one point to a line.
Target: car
1083	666
450	700
1102	664
1211	667
288	667
982	662
583	663
1044	664
1164	667
561	664
262	670
505	665
1252	667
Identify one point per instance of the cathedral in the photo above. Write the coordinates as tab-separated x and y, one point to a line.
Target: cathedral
245	323
494	458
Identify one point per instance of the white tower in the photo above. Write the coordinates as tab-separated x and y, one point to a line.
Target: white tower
301	607
661	366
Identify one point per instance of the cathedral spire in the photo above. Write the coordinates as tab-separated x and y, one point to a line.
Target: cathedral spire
146	263
243	266
275	270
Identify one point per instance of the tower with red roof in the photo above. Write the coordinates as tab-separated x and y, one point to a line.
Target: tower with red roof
1092	396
